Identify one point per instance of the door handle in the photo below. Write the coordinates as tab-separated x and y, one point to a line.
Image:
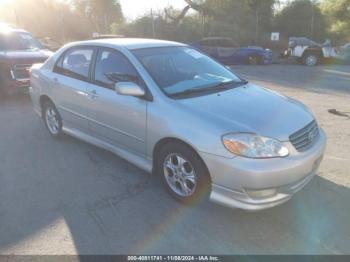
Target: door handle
94	94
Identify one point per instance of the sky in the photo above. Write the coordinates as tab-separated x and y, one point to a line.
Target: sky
135	8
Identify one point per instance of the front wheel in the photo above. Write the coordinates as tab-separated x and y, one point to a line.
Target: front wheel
254	60
52	119
183	173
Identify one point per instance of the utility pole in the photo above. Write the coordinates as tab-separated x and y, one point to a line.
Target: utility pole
153	25
106	24
312	19
16	14
256	27
63	32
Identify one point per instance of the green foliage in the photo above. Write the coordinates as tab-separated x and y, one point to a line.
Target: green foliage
47	18
102	13
246	21
302	18
338	16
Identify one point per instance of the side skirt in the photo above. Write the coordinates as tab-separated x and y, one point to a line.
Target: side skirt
140	162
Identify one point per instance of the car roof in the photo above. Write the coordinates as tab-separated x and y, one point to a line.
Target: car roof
217	38
131	43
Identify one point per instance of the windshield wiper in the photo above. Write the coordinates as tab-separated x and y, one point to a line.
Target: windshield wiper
217	87
228	85
190	91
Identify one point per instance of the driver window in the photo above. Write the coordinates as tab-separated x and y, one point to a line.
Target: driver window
112	67
227	43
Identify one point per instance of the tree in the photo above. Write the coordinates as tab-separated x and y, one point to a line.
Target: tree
263	12
103	13
302	18
338	15
47	19
244	20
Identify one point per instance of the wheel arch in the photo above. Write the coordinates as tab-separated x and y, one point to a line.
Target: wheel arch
42	100
164	141
313	50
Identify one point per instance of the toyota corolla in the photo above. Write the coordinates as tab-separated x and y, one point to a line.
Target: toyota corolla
172	110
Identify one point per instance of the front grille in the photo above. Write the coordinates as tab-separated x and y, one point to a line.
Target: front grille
304	138
21	71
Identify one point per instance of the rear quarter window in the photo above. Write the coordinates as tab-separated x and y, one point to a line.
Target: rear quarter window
75	63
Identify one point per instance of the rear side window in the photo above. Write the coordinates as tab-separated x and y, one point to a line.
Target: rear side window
227	43
112	67
209	42
75	63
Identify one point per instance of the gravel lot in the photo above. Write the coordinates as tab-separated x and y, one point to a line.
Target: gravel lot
67	197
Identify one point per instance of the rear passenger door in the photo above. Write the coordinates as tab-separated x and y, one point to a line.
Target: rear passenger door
116	119
70	82
227	50
209	46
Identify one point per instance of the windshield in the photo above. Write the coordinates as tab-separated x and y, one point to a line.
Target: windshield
181	69
20	41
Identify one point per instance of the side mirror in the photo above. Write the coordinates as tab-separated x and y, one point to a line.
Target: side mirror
129	89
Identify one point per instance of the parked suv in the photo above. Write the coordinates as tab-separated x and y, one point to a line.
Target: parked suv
19	50
170	109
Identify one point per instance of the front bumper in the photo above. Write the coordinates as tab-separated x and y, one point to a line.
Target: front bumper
268	60
234	178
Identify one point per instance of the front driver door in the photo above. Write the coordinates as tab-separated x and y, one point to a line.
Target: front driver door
116	119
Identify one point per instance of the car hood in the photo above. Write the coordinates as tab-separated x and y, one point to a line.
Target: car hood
252	109
27	57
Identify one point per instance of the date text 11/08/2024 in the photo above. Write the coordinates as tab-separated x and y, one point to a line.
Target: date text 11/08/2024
173	258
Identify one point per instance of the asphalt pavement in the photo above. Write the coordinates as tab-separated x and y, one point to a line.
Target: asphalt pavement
63	196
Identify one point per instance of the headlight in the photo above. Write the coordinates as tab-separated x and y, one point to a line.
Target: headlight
254	146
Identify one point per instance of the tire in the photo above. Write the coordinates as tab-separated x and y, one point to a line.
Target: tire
3	89
183	173
52	119
311	59
254	60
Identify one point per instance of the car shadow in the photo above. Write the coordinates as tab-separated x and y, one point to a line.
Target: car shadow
65	196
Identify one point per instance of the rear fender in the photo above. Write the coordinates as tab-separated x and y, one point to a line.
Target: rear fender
313	50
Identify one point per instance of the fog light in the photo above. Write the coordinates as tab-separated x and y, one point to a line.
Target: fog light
261	193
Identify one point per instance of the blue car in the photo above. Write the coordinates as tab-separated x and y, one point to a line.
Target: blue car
226	51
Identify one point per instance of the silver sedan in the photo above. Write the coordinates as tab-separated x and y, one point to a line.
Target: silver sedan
171	110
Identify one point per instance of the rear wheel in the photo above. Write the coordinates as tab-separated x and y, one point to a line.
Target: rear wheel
183	173
52	119
4	89
311	59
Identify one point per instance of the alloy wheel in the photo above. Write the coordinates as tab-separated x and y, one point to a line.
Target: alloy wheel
52	121
311	60
180	175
